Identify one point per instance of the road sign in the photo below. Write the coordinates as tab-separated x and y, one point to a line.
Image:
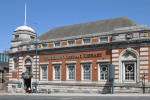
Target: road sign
111	71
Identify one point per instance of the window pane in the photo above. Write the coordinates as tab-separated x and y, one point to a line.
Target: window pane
71	70
71	42
57	72
104	39
129	71
103	72
44	72
44	45
57	44
86	41
86	72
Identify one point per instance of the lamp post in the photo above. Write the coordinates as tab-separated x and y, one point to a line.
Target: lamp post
143	81
36	64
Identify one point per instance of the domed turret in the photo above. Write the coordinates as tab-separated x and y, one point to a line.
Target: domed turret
24	28
21	35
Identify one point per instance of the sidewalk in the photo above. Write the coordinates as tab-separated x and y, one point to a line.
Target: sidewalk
78	94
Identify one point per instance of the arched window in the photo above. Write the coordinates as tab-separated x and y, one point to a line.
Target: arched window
129	66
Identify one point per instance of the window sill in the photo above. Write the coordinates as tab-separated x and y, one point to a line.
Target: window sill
43	80
56	80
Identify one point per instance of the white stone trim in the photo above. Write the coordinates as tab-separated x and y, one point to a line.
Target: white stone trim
115	55
8	76
143	67
11	59
115	59
143	58
35	57
10	64
117	63
100	61
35	72
115	51
145	76
35	63
20	57
35	69
20	69
116	67
86	61
116	76
143	62
142	71
35	60
44	63
20	63
35	66
20	60
143	49
71	62
56	62
116	72
144	53
116	80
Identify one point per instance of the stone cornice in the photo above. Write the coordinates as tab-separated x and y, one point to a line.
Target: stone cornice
89	47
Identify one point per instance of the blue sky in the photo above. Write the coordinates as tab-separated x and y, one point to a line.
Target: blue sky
49	14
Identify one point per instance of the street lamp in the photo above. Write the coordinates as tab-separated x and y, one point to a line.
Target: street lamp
143	83
36	64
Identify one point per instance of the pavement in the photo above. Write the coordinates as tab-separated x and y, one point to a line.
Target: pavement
79	94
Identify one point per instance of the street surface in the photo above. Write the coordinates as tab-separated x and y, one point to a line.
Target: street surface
15	97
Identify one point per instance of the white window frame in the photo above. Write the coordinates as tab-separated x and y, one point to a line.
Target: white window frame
85	39
123	71
45	44
82	74
99	64
67	72
41	66
55	65
71	40
103	37
57	42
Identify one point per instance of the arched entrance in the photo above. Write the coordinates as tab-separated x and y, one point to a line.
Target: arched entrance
27	74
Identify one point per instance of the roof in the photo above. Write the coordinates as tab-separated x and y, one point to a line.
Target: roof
24	28
88	28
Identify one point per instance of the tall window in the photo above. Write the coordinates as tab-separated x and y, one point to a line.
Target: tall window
85	41
71	72
103	72
44	72
129	71
56	72
86	72
71	42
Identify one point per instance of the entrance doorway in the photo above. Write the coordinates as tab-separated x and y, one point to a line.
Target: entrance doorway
27	83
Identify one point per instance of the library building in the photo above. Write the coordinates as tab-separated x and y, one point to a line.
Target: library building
75	58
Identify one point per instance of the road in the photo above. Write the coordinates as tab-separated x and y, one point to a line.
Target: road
15	97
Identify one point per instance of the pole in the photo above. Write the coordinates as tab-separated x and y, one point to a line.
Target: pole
36	62
112	86
144	84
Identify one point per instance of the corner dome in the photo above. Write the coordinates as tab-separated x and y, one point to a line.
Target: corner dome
24	28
